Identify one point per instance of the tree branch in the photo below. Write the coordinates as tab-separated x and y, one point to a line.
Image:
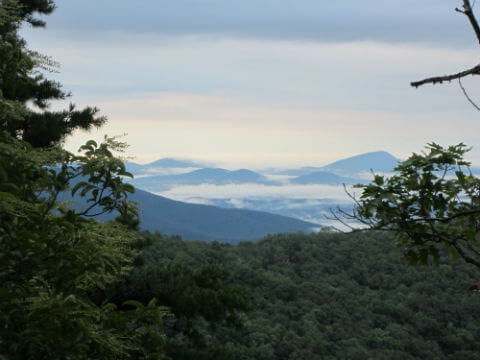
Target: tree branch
440	79
466	256
467	96
468	12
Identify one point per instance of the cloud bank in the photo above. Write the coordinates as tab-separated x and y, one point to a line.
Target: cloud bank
325	21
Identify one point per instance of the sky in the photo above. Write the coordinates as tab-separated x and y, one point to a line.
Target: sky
257	83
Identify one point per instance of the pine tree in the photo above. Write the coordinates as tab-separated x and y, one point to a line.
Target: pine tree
22	82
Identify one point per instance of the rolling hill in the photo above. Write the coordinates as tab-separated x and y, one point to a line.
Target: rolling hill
214	176
205	222
162	164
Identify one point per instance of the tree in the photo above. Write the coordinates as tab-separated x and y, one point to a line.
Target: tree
54	256
22	82
432	202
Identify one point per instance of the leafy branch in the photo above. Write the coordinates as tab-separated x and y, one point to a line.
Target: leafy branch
432	201
102	177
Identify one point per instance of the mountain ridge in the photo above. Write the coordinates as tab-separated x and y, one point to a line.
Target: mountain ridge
207	222
215	176
378	161
307	193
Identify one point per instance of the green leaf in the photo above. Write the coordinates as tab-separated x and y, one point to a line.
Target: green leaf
136	304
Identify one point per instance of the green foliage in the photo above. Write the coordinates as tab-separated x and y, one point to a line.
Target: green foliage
52	258
55	258
101	181
199	291
330	296
431	202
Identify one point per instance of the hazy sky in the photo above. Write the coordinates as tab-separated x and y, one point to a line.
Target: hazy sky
263	82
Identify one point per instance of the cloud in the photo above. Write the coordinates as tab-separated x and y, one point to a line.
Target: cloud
348	20
238	193
264	100
357	75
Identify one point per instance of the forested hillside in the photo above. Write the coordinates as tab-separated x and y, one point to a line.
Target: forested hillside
331	296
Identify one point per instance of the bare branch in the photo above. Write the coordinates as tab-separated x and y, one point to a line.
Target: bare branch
440	79
468	12
339	218
466	95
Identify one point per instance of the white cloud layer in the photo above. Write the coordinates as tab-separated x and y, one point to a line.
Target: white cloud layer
237	193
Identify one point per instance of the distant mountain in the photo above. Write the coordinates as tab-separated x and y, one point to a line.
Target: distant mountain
213	176
222	176
162	164
279	212
174	171
378	161
175	163
204	222
324	177
135	168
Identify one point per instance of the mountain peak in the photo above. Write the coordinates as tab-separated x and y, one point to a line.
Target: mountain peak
378	161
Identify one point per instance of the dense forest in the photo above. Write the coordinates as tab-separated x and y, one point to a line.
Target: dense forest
317	296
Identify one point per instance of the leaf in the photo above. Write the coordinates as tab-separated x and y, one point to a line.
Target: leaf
78	186
136	304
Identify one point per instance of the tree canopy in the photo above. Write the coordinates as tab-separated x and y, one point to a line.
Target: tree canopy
321	296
